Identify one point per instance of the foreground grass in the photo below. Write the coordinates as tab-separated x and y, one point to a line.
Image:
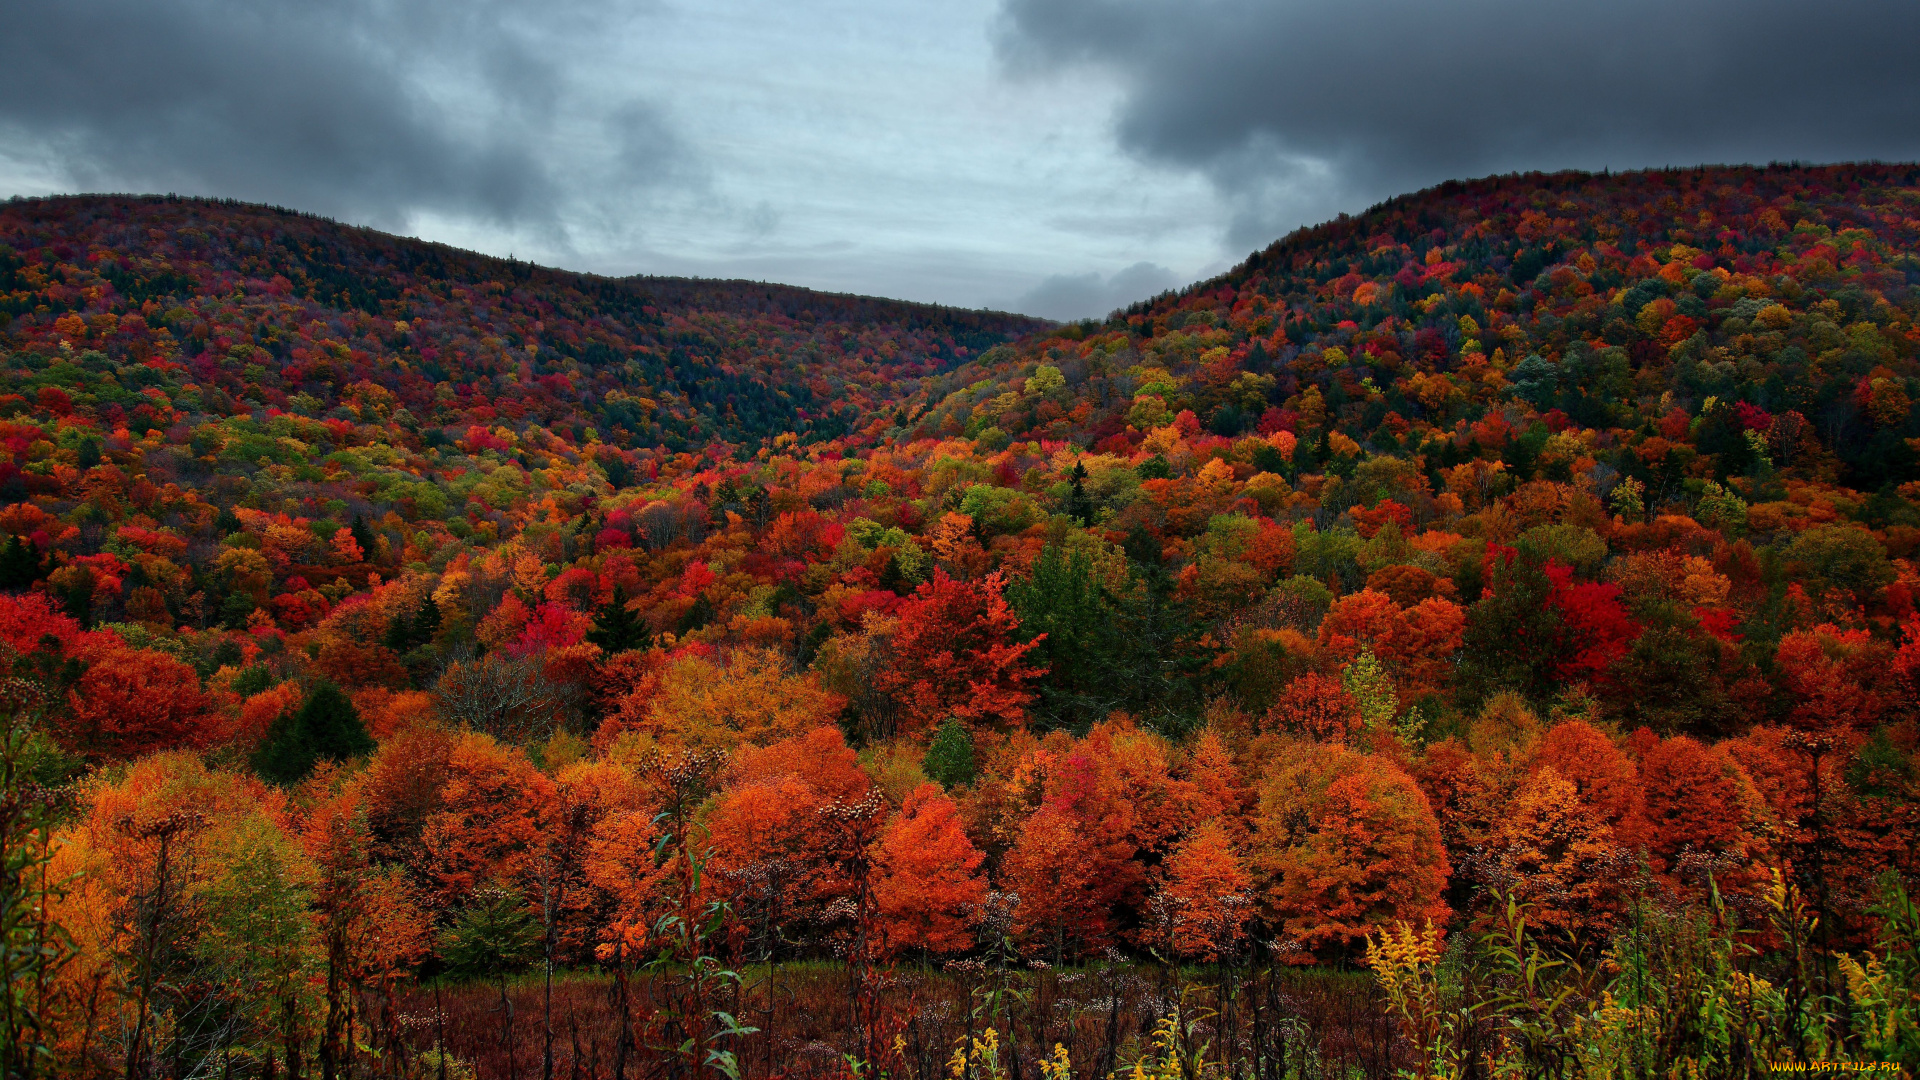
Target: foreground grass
809	1016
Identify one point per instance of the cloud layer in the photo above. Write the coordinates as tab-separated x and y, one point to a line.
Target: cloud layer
364	109
1296	110
1063	157
1076	296
843	144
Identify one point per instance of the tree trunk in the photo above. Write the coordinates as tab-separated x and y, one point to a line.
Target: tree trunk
546	1007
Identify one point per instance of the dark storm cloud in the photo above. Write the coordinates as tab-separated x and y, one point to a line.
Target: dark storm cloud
1299	109
1089	295
369	109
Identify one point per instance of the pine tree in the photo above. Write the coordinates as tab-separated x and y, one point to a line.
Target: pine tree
949	760
1079	504
325	726
493	938
19	564
1513	636
364	537
617	629
1104	649
78	597
893	579
426	623
235	609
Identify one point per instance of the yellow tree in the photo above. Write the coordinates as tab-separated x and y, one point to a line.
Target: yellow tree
753	696
1554	851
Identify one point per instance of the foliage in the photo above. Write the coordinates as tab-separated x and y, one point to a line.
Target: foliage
33	948
949	761
1532	556
326	727
494	937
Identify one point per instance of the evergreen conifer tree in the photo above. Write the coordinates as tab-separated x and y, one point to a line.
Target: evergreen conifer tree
19	564
494	937
364	537
325	726
1079	504
426	623
235	609
892	579
615	628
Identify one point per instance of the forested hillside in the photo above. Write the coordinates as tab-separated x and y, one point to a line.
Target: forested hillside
1518	577
257	307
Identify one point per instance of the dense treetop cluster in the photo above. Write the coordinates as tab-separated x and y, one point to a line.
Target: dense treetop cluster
236	309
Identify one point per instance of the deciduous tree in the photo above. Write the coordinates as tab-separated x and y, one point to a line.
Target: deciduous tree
927	884
1344	843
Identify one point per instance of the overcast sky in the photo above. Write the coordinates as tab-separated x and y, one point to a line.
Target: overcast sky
1058	157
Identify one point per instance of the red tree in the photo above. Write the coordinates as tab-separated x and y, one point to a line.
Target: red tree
1595	627
1699	806
1344	844
928	883
1315	705
1204	902
954	654
1833	678
1605	778
135	701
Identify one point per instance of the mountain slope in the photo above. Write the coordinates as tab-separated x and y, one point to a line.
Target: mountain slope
264	307
1529	560
1583	298
211	436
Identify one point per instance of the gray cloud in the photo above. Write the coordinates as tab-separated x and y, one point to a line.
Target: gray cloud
364	109
1295	110
1081	296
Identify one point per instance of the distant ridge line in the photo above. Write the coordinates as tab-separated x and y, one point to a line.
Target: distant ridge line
1901	173
509	261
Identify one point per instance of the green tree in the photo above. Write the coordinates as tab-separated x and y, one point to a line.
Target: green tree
1536	380
1369	684
260	933
426	622
32	949
949	760
77	595
399	634
1840	557
325	726
1080	505
19	564
495	937
1513	636
406	632
1106	648
616	628
251	680
1332	555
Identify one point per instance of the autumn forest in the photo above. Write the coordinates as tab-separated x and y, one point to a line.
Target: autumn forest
1472	638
